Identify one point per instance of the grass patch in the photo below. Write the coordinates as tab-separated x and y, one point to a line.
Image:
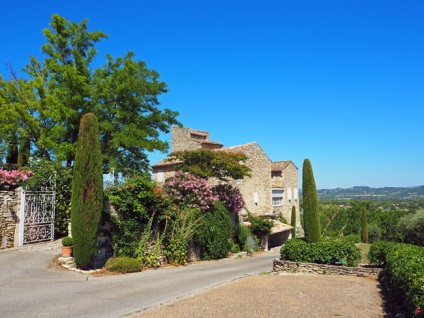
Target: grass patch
365	248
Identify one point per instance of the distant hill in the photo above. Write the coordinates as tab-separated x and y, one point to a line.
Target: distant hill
367	193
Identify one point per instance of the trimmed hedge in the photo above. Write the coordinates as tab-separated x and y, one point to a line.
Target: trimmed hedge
352	238
333	252
403	275
123	265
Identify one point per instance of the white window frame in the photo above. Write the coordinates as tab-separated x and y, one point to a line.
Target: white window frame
277	199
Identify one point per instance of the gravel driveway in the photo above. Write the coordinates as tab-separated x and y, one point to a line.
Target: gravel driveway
285	295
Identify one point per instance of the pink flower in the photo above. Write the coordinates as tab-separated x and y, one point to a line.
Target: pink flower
417	311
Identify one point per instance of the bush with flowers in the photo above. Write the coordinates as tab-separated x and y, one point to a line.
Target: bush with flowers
230	196
12	179
134	203
187	190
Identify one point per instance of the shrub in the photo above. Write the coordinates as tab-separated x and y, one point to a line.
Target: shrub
412	228
352	238
188	190
322	252
378	252
312	224
134	201
87	192
123	265
12	179
259	226
374	233
241	235
403	275
67	241
181	228
150	245
214	233
230	196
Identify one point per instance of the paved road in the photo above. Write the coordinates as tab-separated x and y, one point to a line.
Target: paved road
30	288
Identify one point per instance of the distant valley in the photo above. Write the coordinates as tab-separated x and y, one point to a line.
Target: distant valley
367	193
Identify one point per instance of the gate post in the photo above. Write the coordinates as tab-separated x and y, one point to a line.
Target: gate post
21	219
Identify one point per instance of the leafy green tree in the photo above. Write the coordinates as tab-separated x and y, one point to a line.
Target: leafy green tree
312	225
412	228
206	164
87	192
293	221
47	103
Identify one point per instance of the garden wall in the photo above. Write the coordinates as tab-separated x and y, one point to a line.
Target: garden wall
313	268
9	218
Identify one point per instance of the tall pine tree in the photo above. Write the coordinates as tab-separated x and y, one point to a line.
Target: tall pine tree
312	224
87	192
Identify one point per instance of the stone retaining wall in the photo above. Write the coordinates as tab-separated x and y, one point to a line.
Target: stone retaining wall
9	211
313	268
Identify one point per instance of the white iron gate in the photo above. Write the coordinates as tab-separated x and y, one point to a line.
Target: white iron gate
36	217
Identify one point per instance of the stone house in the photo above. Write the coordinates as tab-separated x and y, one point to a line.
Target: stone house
272	188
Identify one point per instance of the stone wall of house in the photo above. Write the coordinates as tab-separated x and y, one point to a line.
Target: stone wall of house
312	268
161	173
289	181
181	139
9	218
259	182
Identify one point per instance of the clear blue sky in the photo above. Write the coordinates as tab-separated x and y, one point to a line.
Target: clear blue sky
339	82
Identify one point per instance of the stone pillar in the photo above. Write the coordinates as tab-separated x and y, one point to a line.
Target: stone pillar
9	217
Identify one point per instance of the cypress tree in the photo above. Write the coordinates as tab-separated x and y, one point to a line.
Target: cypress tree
87	192
293	221
12	150
24	151
310	204
364	224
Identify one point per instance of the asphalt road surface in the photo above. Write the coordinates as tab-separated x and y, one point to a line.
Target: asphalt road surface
31	287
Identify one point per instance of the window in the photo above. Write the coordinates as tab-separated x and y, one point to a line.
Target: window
277	197
295	194
289	194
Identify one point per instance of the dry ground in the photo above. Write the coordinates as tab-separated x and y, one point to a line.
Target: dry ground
287	295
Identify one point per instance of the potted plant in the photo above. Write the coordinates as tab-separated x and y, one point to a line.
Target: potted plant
67	244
